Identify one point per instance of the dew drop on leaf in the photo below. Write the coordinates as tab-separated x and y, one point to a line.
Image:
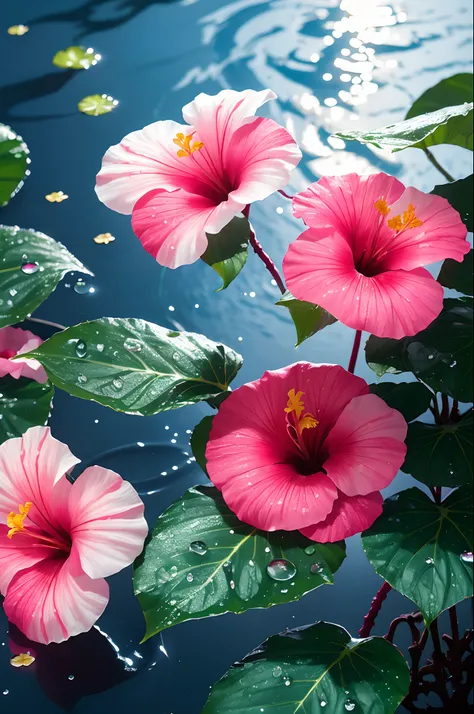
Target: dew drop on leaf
277	672
467	557
81	348
189	577
132	345
281	569
118	384
198	547
349	706
310	550
30	268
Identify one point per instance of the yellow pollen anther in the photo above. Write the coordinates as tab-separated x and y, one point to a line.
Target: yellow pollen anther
25	659
308	422
15	520
186	148
407	220
382	206
295	404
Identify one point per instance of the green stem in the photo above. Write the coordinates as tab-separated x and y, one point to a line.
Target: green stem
437	165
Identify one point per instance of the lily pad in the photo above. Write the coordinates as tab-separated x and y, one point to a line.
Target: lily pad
76	57
96	104
23	403
13	162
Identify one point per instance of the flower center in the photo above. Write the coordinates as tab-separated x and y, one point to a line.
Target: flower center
7	354
186	145
298	420
16	524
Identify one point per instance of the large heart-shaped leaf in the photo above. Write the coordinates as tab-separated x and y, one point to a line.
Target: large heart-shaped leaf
135	366
410	398
13	162
227	251
440	454
314	670
23	403
307	317
459	194
441	355
451	125
421	548
450	92
201	560
31	265
458	275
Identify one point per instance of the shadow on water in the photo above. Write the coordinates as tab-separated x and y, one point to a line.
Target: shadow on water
83	16
13	94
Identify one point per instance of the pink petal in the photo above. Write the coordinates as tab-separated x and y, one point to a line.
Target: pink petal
172	226
442	235
32	469
108	528
348	517
146	160
366	446
14	340
18	554
251	458
345	204
391	304
259	160
53	601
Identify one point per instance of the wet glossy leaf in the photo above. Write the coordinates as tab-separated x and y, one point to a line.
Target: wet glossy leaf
440	455
459	194
440	356
315	669
13	162
76	57
450	92
31	266
97	104
451	125
307	317
227	251
23	403
201	560
417	546
135	366
410	398
458	275
199	439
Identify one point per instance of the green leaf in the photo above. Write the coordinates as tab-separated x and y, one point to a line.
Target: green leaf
76	57
135	366
440	356
227	251
301	671
440	455
96	104
199	439
459	194
417	546
451	125
201	560
410	398
13	162
308	318
458	275
31	266
450	92
23	403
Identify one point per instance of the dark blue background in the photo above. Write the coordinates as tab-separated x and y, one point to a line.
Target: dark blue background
156	57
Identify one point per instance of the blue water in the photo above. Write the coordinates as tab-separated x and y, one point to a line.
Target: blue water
156	57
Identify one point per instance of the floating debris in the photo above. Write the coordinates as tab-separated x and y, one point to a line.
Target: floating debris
18	30
76	57
96	104
104	238
56	197
25	659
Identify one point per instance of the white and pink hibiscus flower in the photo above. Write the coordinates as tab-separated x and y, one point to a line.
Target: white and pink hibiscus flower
182	181
58	540
15	341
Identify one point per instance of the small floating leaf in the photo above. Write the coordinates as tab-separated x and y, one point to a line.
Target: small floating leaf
18	30
76	57
56	197
96	104
104	238
13	161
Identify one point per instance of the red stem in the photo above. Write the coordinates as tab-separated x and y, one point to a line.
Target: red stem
286	195
266	260
355	351
369	619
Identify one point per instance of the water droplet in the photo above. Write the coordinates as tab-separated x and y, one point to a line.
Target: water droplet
82	378
118	384
5	692
277	672
467	557
287	681
81	348
198	547
189	577
323	703
429	561
13	292
349	706
316	568
100	348
310	550
281	569
81	287
71	677
132	345
29	268
173	571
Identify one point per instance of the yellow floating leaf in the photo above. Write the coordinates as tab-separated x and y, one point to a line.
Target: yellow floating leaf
18	30
56	197
104	238
25	659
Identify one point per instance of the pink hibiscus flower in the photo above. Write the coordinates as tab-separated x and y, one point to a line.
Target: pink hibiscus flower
181	181
306	448
58	541
362	258
15	341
